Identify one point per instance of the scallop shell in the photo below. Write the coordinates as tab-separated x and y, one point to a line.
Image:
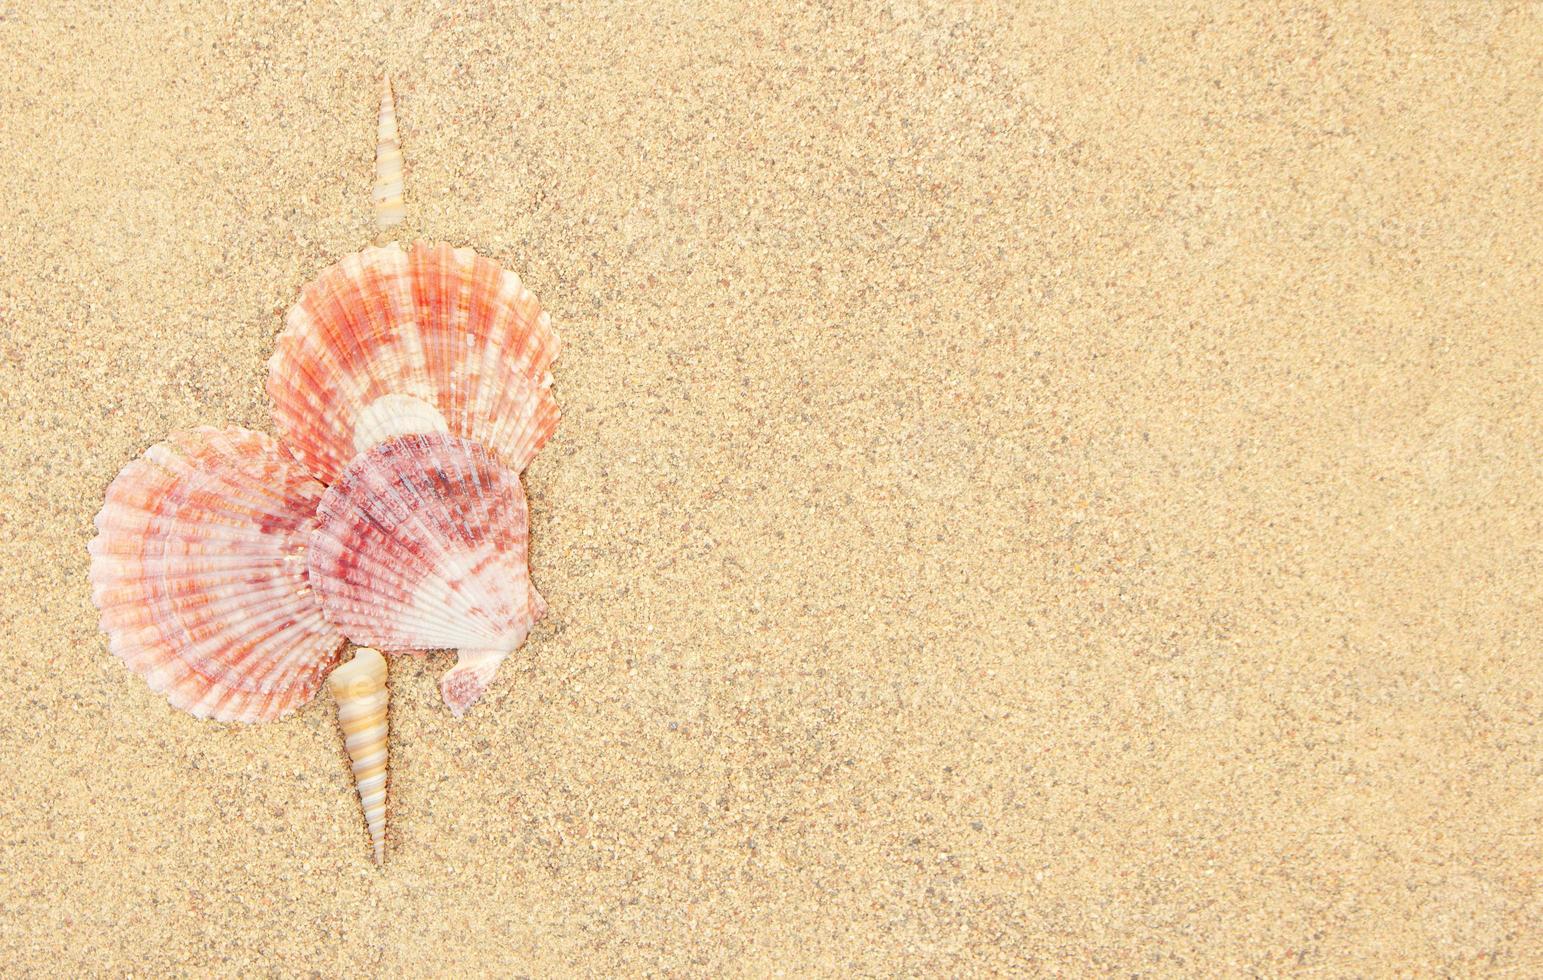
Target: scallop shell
422	544
390	342
198	569
360	689
389	209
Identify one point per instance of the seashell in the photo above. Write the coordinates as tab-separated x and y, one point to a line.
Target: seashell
389	209
360	689
390	342
198	568
422	544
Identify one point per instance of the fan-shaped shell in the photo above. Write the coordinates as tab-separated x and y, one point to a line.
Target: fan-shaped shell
422	544
198	568
390	342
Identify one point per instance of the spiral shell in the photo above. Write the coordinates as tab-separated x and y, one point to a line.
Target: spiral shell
360	689
199	571
389	209
422	543
390	342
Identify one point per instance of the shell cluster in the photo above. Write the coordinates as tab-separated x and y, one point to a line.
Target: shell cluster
410	388
417	385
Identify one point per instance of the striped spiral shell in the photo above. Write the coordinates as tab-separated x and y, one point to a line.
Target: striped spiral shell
389	208
359	687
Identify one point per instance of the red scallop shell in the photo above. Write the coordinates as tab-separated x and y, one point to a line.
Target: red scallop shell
422	543
433	339
198	568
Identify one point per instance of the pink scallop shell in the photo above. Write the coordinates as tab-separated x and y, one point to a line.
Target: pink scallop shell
390	342
198	568
422	543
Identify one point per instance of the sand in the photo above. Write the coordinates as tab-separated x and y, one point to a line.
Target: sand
1039	490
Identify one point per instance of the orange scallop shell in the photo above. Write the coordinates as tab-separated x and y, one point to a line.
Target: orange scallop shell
390	342
198	568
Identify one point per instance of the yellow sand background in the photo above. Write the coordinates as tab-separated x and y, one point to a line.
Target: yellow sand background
1040	488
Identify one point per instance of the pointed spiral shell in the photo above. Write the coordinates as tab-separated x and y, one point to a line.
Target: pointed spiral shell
389	209
360	689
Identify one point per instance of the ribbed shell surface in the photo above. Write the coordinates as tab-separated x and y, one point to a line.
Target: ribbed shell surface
390	342
422	544
199	571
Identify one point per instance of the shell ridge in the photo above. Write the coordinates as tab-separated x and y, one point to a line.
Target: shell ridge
461	317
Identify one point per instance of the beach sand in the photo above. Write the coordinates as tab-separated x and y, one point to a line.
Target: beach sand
1039	490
